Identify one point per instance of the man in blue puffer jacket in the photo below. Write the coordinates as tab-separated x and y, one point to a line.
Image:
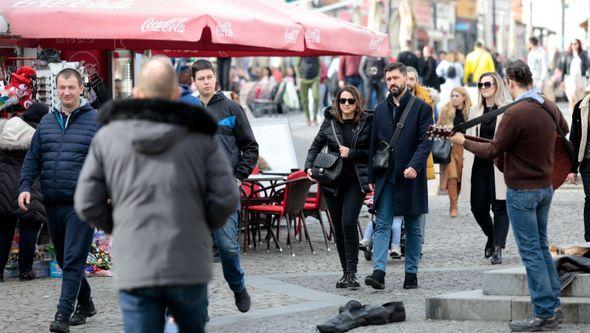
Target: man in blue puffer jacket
57	153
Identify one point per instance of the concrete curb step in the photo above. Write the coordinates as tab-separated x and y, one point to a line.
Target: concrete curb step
474	305
513	282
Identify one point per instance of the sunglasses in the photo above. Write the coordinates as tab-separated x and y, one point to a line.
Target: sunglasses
350	101
486	85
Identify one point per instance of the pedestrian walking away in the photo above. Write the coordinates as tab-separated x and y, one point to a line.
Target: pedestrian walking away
15	138
236	137
482	182
526	137
579	138
308	75
346	131
58	150
454	113
477	62
400	186
173	210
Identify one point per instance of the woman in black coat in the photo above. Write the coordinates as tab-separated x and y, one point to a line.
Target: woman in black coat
15	138
352	127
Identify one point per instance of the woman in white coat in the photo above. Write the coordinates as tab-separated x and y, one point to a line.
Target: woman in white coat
483	184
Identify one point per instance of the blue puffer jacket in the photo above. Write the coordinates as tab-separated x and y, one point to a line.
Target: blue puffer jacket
57	153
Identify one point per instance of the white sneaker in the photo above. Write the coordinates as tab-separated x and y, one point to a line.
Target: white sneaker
364	244
395	252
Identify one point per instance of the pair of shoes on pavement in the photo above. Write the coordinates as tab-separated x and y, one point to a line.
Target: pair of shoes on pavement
377	280
243	300
348	280
62	321
537	324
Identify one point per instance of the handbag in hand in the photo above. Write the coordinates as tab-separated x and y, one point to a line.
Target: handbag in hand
441	151
327	167
384	150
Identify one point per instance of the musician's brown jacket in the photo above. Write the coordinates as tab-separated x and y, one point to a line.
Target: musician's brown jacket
526	139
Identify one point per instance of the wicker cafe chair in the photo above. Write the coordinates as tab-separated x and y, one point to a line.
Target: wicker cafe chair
287	202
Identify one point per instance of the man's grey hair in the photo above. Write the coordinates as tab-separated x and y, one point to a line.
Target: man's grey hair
413	70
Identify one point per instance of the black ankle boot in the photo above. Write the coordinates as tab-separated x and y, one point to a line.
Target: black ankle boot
411	281
489	249
61	324
497	255
353	283
343	282
376	280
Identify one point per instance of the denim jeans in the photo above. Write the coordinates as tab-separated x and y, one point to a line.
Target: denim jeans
356	81
226	240
72	238
144	309
383	229
528	211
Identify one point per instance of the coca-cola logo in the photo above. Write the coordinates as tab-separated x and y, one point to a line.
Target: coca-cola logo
177	24
313	36
224	30
291	36
375	43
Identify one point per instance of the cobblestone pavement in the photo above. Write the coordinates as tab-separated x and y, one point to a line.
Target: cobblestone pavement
293	294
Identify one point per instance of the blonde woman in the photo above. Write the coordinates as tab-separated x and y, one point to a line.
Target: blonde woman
482	182
455	112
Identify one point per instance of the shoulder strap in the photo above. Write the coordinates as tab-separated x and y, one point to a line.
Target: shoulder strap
559	130
483	118
335	135
400	124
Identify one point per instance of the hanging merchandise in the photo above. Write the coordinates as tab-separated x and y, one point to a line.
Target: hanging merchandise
19	91
99	261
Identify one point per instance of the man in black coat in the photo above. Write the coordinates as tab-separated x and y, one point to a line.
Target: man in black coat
402	189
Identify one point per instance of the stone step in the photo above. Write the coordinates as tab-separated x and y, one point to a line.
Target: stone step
474	305
513	282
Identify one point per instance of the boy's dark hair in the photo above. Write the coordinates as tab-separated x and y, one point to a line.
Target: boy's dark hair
397	66
519	72
201	65
67	73
534	41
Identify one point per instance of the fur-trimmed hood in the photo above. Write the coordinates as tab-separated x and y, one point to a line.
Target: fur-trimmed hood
153	125
15	134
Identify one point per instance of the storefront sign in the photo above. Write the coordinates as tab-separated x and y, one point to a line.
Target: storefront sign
467	9
422	11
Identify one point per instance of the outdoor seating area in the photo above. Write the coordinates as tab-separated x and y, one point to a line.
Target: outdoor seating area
281	202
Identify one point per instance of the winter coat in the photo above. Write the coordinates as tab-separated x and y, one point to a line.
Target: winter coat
411	150
429	77
15	139
469	159
423	94
234	134
565	66
478	62
58	151
187	96
170	185
359	150
579	132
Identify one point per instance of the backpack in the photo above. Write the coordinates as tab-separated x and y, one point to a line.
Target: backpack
309	68
451	72
375	68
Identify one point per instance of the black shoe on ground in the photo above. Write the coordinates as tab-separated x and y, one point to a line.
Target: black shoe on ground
353	283
411	281
376	280
497	256
26	276
243	300
534	324
83	312
61	324
343	282
489	249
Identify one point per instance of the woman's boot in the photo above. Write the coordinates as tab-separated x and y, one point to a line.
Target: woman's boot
497	255
453	190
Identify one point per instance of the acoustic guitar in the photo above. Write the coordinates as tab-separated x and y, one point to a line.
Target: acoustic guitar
562	163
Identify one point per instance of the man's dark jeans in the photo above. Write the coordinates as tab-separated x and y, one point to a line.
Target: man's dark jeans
585	172
144	309
72	238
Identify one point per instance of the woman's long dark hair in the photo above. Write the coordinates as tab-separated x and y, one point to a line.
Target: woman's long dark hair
360	102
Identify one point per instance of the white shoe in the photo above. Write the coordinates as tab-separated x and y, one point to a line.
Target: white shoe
395	252
364	244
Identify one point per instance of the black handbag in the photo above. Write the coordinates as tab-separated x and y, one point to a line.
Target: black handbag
441	151
327	167
384	149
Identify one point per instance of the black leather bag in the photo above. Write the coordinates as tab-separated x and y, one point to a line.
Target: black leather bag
327	167
441	151
384	150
